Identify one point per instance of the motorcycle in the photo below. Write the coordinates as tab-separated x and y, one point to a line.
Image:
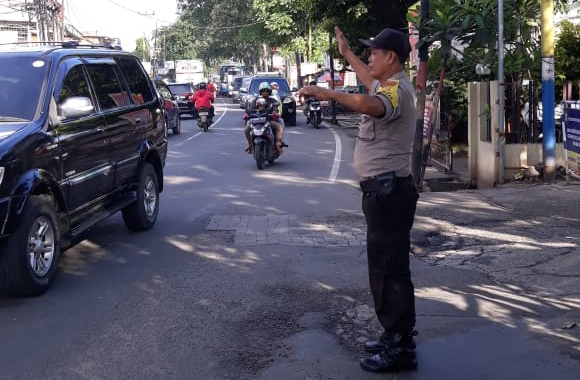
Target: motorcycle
264	142
203	120
314	115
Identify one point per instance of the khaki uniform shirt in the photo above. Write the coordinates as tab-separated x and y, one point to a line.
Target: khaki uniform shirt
386	144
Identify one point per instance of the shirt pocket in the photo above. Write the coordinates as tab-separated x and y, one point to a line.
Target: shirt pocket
367	129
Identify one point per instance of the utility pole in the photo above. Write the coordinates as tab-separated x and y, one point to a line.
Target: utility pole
40	8
62	31
421	84
156	59
332	102
501	88
49	17
548	95
147	14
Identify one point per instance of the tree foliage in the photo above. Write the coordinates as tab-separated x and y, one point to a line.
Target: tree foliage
237	29
567	53
142	49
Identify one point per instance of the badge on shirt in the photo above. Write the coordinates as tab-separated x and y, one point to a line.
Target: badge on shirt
391	90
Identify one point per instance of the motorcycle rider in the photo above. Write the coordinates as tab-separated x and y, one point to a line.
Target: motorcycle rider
210	87
308	100
275	88
202	98
265	90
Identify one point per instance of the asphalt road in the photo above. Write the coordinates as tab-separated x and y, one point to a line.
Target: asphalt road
261	275
181	301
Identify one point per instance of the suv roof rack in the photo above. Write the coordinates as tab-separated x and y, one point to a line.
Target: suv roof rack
268	74
71	44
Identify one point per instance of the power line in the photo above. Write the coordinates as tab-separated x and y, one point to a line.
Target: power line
147	15
9	7
72	8
228	27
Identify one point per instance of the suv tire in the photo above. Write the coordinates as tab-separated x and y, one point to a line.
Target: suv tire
142	214
292	120
30	255
177	129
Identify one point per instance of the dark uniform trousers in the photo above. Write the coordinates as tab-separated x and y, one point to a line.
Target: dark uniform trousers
389	210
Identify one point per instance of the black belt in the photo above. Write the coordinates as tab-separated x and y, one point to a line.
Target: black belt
388	179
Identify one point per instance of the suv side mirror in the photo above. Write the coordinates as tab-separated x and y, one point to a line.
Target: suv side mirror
75	106
243	90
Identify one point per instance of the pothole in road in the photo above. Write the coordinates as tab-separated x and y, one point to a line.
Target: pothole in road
260	338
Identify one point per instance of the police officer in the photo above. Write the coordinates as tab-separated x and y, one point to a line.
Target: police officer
382	159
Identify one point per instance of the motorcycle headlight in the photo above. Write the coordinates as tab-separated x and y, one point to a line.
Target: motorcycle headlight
288	99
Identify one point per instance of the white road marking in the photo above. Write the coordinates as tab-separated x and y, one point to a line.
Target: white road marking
225	110
337	156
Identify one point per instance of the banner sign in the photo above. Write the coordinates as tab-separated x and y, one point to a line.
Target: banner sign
572	143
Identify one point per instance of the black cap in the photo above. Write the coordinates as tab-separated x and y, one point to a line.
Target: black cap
390	39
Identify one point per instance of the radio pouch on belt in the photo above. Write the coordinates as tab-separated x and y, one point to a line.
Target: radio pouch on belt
388	182
384	183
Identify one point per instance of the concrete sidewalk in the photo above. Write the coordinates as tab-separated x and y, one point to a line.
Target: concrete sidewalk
434	180
508	261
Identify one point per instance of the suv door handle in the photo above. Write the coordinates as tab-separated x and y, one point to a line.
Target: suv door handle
137	120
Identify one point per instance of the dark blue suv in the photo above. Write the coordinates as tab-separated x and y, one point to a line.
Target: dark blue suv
284	93
82	136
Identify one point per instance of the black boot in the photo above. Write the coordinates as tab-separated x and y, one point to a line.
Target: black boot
376	346
398	355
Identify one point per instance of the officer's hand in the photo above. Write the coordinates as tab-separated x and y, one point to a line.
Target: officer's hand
319	93
341	40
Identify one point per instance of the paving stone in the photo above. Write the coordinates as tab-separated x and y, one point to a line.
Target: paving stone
337	231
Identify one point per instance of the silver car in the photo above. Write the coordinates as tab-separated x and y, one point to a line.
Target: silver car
243	91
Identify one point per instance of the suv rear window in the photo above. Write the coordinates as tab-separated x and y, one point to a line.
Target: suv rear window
21	81
237	82
109	90
138	83
179	88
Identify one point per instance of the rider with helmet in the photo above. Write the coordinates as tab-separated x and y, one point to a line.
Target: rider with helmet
202	98
265	90
275	89
210	87
309	99
261	104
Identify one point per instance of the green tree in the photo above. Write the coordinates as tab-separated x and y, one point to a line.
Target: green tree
142	49
567	53
219	30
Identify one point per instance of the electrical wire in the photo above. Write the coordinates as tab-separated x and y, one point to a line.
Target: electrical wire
138	13
69	6
9	7
227	27
196	27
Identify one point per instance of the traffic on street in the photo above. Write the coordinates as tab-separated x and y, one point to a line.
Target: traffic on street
289	190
